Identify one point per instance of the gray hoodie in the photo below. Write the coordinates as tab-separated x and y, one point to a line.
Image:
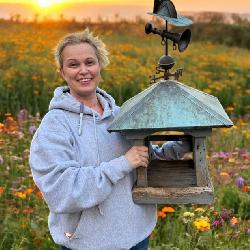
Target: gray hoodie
85	178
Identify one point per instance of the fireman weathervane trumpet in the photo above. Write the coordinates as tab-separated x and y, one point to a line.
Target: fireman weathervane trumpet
165	9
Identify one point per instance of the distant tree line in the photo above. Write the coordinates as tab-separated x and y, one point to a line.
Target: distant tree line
228	29
231	30
229	34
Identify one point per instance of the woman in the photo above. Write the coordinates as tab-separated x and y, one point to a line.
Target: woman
85	173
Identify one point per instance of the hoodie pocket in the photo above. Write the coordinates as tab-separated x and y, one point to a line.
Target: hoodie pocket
88	223
71	222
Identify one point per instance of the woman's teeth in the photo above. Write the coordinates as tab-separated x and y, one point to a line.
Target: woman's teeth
84	80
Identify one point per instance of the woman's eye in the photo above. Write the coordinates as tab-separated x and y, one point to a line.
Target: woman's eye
90	62
73	65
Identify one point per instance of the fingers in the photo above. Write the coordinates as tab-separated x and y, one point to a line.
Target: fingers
143	161
138	156
141	148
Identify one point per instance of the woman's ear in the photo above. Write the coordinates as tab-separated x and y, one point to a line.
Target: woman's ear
60	71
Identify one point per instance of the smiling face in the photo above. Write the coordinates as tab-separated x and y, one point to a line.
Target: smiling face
81	70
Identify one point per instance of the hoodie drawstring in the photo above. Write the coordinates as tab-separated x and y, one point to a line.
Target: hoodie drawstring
80	119
96	140
98	157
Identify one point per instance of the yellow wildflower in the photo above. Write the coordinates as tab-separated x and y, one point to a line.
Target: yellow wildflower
20	195
188	214
242	122
224	130
201	225
199	210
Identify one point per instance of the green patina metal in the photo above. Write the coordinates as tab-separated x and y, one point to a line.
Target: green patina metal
166	10
170	105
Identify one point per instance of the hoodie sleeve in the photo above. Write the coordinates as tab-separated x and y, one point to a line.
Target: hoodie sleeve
172	150
67	186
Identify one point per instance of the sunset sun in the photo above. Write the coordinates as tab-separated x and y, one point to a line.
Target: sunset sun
44	3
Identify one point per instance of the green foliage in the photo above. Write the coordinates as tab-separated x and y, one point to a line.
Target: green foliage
237	35
231	199
244	209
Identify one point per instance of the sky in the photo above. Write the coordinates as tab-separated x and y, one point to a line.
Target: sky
108	8
240	6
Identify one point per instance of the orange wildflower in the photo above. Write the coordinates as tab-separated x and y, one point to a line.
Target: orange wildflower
1	190
39	194
152	235
28	210
10	124
230	108
224	174
161	214
234	221
216	213
1	127
168	210
28	191
16	211
245	188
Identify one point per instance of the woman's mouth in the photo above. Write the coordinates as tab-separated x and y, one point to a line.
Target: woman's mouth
84	80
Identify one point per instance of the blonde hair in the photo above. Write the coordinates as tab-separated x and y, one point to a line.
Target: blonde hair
82	37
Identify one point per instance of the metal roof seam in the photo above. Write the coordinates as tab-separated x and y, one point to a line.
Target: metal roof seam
223	120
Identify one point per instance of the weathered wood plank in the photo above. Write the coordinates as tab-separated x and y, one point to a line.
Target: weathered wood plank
141	172
191	195
200	161
137	135
203	132
171	174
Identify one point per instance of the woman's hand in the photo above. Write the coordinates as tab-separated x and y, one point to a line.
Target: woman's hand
138	156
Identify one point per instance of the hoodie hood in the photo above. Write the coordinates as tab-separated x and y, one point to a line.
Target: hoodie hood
64	100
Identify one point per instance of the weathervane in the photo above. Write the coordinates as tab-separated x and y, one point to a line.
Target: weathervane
165	9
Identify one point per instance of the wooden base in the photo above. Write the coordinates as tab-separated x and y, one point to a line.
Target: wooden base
166	195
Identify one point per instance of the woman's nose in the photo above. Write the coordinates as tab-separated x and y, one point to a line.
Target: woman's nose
83	69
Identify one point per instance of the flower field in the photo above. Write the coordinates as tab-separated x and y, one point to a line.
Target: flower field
27	79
